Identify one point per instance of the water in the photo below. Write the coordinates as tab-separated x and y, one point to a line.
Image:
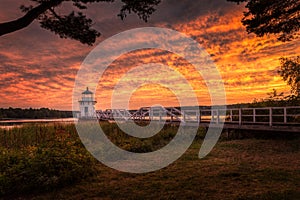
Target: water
13	123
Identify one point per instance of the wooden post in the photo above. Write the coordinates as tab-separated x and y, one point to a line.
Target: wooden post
284	116
240	116
160	116
230	117
270	116
200	116
254	115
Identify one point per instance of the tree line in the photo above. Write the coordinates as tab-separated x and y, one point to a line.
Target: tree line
32	113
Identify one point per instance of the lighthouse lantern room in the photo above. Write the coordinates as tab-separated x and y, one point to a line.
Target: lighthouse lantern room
86	104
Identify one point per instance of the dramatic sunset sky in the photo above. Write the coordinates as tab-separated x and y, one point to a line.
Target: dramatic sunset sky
38	69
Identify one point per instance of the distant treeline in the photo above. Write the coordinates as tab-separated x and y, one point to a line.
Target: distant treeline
32	113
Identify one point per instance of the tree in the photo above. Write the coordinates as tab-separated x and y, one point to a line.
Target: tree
74	25
278	17
281	18
290	72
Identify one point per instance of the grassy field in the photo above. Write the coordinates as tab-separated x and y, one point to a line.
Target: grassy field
235	169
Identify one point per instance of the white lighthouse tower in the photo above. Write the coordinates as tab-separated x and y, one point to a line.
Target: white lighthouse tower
86	104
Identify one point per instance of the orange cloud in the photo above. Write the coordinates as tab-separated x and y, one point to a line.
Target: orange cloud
248	64
37	69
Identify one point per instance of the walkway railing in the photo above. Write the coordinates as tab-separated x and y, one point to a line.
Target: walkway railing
241	116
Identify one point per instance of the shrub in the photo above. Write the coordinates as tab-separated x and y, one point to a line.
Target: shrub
52	164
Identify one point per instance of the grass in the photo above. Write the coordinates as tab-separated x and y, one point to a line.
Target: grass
235	169
41	159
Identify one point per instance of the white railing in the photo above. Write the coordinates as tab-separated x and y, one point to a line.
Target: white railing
258	116
267	115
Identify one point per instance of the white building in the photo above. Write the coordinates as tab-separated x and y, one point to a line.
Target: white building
87	104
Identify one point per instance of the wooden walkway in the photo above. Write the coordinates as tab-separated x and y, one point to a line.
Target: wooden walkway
284	119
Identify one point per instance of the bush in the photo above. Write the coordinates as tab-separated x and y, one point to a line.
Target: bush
44	167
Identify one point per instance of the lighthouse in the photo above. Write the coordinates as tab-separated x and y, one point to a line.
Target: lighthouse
86	104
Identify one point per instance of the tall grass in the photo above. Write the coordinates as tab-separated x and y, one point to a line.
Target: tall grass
44	157
138	145
34	134
39	157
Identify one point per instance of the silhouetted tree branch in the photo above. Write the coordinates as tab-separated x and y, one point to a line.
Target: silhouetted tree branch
278	17
28	18
75	25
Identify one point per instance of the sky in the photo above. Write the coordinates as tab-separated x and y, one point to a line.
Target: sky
38	69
